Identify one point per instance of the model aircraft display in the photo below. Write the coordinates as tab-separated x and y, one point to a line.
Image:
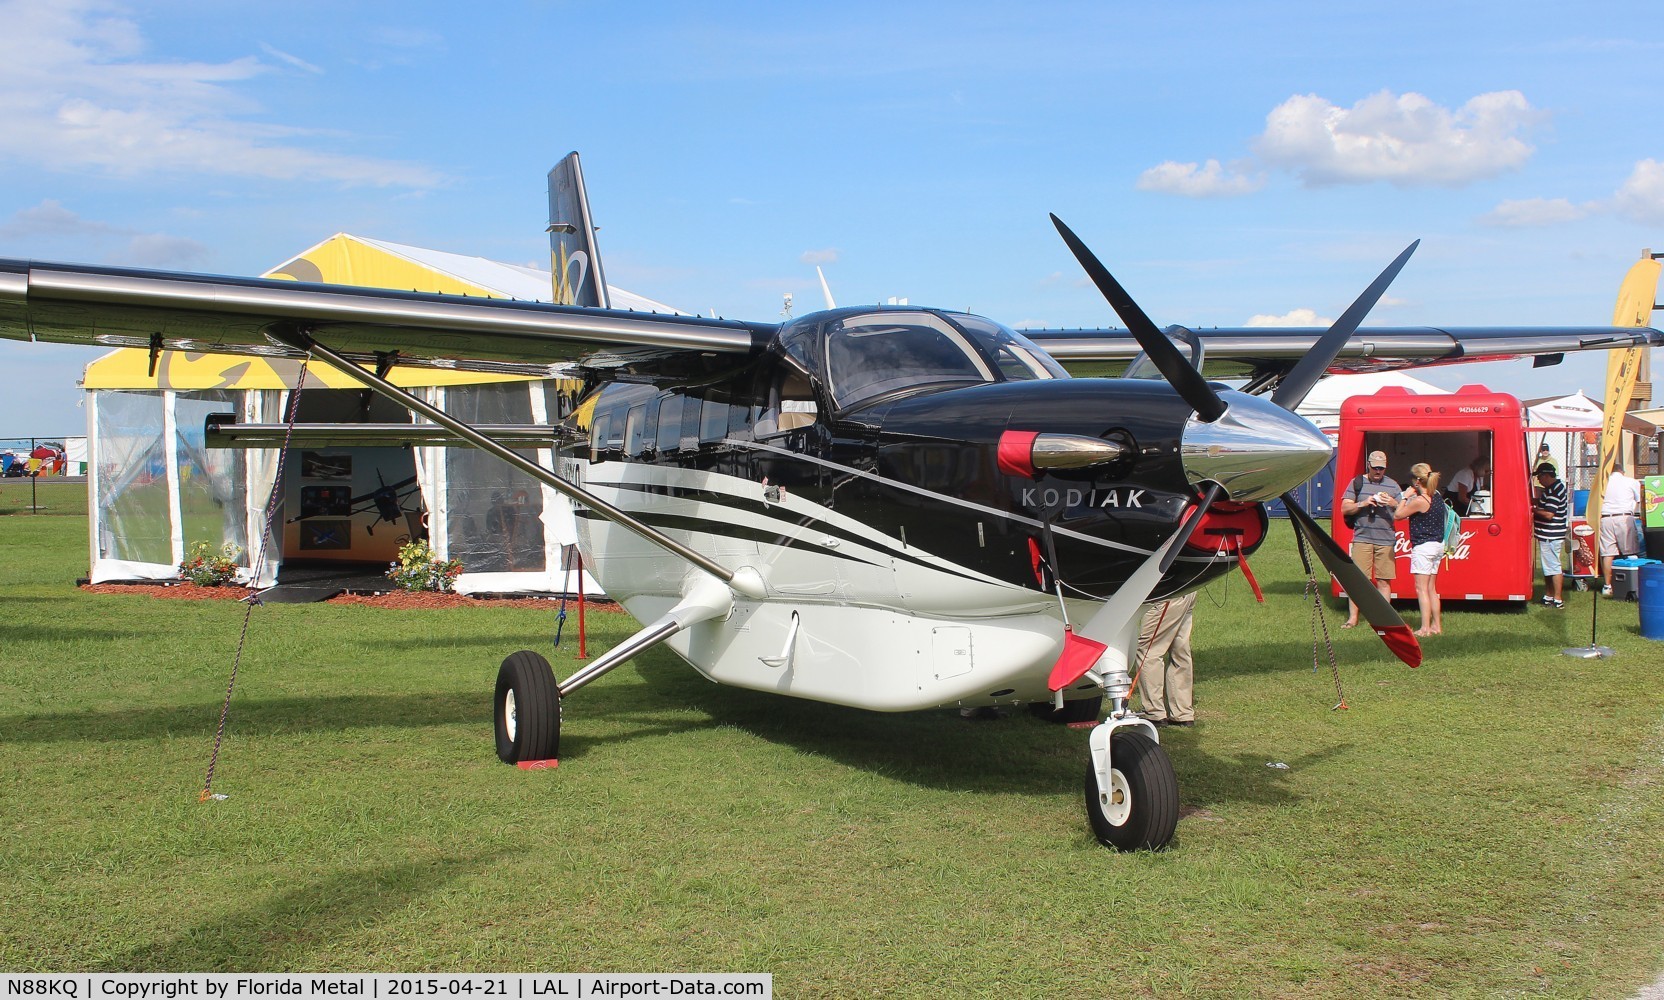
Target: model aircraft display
891	508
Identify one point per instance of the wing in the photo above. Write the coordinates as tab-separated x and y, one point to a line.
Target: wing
114	307
1263	354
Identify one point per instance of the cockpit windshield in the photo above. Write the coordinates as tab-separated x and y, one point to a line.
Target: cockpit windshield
873	354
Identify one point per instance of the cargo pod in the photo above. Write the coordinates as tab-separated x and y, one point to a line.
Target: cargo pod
1473	429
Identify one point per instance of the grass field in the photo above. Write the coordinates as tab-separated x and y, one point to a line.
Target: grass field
1488	825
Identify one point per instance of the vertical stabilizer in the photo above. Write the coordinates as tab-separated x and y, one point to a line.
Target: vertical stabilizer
573	258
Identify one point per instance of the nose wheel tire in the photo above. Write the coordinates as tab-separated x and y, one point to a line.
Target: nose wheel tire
527	709
1140	809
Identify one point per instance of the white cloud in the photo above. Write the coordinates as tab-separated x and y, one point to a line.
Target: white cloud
1294	317
76	92
1641	198
1534	212
163	251
50	218
51	221
1209	180
293	60
826	256
1403	139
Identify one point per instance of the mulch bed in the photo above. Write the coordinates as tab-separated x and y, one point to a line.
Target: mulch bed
399	600
172	592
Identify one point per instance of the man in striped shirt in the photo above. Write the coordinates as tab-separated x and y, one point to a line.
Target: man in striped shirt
1548	514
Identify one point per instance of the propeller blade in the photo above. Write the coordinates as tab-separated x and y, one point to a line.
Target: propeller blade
1187	381
1118	621
1300	379
1377	610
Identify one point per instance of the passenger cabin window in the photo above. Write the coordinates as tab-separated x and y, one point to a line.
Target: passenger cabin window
650	430
598	436
634	425
670	424
713	422
690	423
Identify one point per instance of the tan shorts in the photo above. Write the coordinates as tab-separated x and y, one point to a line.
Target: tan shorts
1377	561
1620	535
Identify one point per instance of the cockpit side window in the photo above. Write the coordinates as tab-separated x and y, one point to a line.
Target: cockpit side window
1017	357
879	353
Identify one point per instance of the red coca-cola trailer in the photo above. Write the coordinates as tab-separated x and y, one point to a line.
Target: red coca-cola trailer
1494	560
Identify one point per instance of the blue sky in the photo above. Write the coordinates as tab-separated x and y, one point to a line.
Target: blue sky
1226	160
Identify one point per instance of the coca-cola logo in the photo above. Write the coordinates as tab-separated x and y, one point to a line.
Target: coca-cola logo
1401	545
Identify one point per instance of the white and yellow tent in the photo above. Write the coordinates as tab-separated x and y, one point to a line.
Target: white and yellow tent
156	489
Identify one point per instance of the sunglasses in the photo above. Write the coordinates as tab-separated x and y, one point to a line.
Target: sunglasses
1377	468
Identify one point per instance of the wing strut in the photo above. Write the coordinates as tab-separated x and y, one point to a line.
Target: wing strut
745	580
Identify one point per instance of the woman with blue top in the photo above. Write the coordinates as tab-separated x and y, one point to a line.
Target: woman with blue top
1423	505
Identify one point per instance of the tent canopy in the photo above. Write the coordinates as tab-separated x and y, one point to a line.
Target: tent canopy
1577	412
1322	405
157	489
345	259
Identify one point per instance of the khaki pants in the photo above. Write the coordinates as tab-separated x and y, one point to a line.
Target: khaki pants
1165	670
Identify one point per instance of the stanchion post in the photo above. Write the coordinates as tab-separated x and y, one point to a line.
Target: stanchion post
583	648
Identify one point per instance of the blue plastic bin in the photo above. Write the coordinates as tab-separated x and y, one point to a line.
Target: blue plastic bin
1652	600
1580	502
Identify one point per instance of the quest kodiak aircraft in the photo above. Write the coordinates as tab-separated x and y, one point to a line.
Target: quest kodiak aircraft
892	508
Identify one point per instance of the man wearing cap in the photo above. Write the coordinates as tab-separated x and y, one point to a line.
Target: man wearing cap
1545	454
1368	506
1620	529
1548	517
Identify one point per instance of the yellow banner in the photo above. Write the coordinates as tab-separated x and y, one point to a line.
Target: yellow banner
1635	301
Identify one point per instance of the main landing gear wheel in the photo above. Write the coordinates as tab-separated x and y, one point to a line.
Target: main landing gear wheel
1140	809
527	709
1076	710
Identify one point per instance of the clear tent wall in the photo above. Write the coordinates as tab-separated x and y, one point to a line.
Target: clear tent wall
156	489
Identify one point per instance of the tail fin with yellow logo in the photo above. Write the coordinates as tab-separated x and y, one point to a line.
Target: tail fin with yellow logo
573	258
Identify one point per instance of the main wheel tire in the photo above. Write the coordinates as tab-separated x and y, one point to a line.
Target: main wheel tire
1140	811
527	709
1077	710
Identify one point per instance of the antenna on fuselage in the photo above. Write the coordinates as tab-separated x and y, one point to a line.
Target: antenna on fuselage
786	306
825	289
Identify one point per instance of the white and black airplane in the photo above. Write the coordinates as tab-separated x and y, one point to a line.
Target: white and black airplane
892	508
